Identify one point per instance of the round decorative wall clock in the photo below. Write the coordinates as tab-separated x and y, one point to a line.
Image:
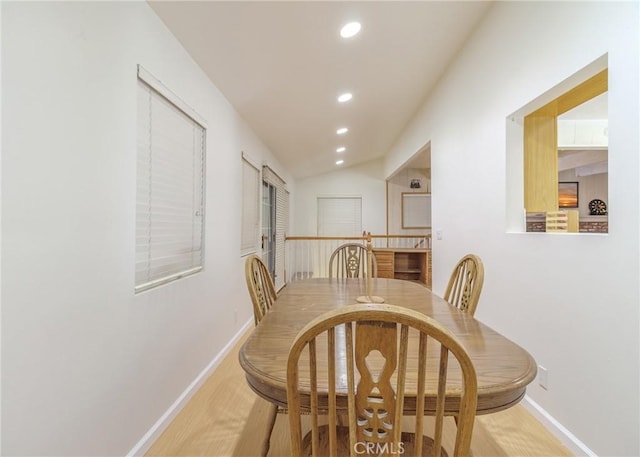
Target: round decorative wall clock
597	207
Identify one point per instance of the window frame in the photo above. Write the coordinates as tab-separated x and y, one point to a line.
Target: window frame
270	177
246	247
196	188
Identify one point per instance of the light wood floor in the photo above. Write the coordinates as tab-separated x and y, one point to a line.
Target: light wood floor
225	418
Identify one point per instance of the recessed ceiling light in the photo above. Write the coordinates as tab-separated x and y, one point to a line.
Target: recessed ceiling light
341	149
345	97
342	131
350	29
339	162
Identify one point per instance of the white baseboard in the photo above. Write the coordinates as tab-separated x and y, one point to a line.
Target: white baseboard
577	447
161	424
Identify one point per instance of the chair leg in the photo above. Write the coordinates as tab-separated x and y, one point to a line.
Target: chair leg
273	413
455	418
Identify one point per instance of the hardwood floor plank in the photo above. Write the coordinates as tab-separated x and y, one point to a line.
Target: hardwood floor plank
225	418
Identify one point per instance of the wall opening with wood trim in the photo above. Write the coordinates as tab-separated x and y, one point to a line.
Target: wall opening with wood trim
559	142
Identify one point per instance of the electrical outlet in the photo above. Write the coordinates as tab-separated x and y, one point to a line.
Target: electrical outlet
543	377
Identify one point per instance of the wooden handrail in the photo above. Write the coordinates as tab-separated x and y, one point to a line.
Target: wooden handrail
294	238
425	235
307	256
298	238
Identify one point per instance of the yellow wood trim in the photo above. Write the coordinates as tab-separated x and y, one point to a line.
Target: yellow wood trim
540	163
573	221
541	144
585	91
589	89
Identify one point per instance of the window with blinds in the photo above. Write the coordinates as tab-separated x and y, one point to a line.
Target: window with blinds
170	186
250	207
282	228
339	216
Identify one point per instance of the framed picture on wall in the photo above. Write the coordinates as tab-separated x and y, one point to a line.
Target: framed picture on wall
416	210
568	194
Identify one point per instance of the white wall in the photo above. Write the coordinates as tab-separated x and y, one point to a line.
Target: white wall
88	367
571	300
0	231
365	180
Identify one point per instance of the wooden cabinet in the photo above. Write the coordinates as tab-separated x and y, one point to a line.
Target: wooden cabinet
385	263
409	264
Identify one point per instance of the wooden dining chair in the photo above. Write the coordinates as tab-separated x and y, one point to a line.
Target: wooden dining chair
260	285
263	294
350	261
465	284
355	353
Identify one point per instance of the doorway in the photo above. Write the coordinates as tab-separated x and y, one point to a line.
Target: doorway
269	226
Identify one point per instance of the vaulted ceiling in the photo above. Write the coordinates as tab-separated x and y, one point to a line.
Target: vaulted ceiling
282	66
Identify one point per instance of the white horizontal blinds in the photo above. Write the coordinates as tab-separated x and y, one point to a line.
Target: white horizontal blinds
250	207
339	216
170	191
282	220
282	228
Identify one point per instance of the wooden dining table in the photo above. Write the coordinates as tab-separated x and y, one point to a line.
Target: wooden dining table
503	368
